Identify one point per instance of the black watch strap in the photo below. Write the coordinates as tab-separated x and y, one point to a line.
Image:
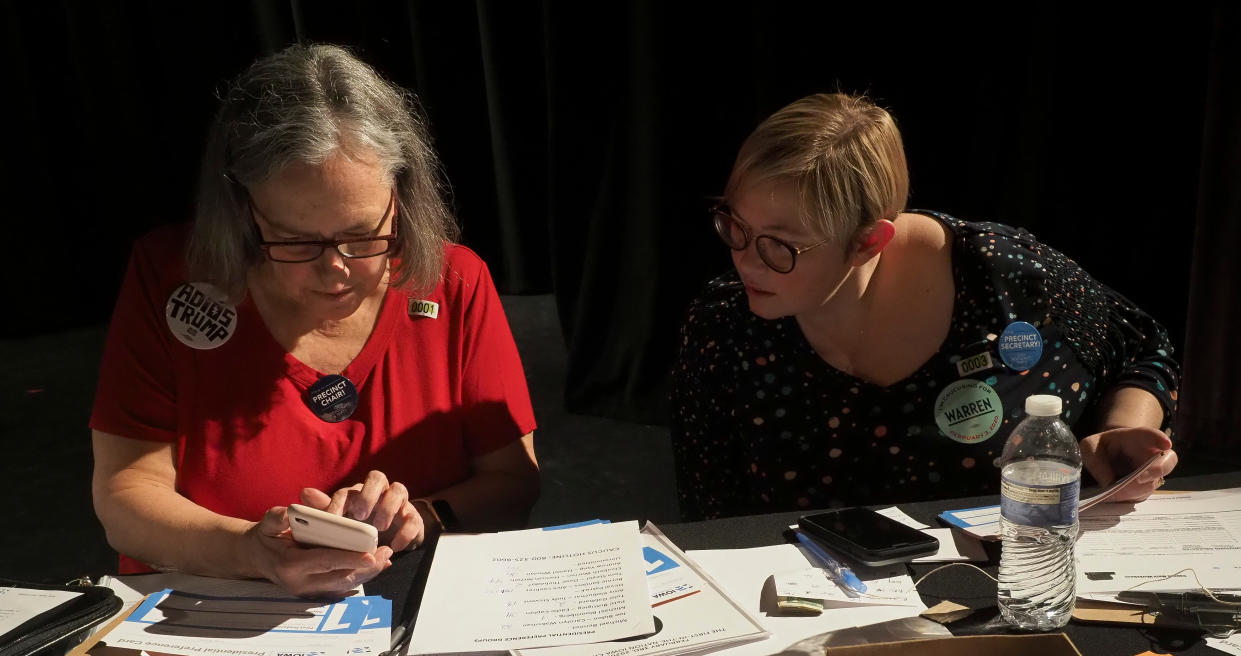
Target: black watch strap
448	519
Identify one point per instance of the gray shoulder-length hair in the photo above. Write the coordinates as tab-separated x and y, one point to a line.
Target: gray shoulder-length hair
303	104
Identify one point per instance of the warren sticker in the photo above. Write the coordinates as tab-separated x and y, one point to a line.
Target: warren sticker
429	309
968	411
198	315
332	398
1021	346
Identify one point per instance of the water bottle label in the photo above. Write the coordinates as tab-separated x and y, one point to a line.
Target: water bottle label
1039	505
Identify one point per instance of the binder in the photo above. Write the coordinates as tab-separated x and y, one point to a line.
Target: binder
61	625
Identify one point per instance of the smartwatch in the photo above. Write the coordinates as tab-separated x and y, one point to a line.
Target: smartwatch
443	512
440	513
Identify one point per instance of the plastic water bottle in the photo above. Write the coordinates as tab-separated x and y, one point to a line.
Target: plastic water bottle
1040	479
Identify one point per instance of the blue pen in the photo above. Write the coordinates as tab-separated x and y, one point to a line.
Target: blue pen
844	577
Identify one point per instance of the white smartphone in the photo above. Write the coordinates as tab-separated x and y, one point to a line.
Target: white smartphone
321	529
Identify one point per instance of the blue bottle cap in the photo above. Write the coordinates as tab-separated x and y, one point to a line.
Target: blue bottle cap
332	398
1021	346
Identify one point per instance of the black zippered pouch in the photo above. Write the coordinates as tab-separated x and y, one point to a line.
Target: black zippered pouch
63	625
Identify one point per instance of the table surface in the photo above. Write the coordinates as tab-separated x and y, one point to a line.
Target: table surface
963	585
402	582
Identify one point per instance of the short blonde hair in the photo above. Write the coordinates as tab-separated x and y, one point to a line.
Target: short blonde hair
302	105
843	154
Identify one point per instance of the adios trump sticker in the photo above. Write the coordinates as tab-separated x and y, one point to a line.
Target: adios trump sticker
1021	346
199	317
968	411
332	398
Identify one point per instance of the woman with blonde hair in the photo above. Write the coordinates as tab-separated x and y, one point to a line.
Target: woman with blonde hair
862	353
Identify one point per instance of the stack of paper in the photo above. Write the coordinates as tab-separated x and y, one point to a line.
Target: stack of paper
173	622
594	590
525	589
1161	544
743	573
692	613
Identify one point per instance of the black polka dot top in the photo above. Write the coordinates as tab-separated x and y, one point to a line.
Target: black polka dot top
762	424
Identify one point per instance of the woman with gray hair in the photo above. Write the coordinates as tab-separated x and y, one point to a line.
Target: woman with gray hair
315	337
862	353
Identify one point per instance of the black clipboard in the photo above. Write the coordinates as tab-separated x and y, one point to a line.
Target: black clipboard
61	625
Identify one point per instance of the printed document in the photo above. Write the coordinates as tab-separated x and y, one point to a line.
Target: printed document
1229	645
1123	545
743	573
692	612
18	605
525	589
888	586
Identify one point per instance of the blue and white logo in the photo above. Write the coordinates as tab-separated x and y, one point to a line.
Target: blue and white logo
657	561
1021	346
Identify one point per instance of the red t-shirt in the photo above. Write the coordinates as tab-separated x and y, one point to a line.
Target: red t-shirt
433	393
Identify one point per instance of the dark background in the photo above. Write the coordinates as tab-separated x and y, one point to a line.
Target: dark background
582	140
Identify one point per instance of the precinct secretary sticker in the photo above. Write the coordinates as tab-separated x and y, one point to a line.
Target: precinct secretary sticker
198	315
1021	346
968	411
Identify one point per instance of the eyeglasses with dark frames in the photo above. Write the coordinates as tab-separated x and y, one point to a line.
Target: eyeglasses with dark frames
779	255
352	248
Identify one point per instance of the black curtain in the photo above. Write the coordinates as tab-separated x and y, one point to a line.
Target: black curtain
583	139
1211	396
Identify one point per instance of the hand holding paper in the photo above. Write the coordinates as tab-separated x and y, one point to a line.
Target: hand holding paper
1114	453
1132	487
984	522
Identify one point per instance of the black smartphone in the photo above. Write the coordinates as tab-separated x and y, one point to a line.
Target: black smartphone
868	537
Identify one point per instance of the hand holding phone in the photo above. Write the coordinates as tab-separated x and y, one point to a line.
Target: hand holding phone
868	537
317	528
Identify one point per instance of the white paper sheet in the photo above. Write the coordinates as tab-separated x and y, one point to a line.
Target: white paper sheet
885	586
954	546
693	614
18	605
534	589
1229	645
1124	545
892	512
743	572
